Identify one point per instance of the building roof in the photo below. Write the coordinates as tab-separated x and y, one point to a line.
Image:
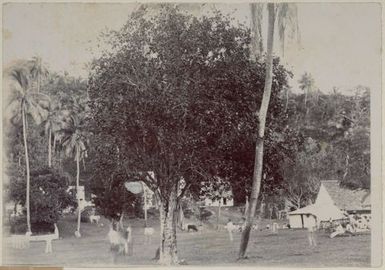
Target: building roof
322	212
346	199
309	209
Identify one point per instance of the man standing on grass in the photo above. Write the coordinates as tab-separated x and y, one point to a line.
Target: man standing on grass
311	228
230	228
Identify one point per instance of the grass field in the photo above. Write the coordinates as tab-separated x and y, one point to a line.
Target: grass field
208	247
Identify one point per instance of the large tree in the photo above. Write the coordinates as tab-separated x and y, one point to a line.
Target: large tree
170	95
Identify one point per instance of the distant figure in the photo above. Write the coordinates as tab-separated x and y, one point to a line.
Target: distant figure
311	228
243	226
129	245
338	231
230	228
349	229
148	232
268	227
120	240
275	227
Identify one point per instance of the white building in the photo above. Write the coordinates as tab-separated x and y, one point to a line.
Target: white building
81	195
224	201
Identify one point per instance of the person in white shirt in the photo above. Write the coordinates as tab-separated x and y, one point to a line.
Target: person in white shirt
230	228
311	228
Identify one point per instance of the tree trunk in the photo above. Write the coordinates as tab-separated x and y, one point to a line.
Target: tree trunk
78	186
54	142
287	99
258	162
246	206
49	149
346	167
219	212
305	97
168	216
38	82
27	199
144	205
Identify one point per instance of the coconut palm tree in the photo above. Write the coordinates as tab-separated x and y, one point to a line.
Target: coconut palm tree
283	11
29	103
38	71
306	83
52	124
74	141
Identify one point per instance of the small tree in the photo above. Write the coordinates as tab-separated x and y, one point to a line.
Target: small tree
217	190
307	84
49	196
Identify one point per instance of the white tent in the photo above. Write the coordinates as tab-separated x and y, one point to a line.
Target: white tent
324	209
301	217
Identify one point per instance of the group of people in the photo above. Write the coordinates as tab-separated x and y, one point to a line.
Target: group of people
338	228
311	226
343	228
120	239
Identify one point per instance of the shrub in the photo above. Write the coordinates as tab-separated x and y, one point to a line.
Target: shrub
48	198
204	214
18	225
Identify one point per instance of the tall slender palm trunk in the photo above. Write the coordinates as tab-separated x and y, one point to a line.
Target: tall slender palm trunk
287	99
258	162
38	83
27	199
77	185
49	148
144	204
219	213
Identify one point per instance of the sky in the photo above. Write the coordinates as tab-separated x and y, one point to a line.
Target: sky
340	42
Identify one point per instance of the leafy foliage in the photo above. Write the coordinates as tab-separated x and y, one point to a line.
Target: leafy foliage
177	96
113	199
49	196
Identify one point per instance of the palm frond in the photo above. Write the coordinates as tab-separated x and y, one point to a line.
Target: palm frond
256	29
21	77
287	21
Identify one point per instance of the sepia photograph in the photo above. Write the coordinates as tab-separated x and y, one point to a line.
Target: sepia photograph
200	134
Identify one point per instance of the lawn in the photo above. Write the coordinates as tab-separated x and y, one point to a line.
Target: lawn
208	247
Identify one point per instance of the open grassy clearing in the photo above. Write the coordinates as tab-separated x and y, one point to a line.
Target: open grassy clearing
209	247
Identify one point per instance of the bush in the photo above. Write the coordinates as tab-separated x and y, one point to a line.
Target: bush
48	197
43	228
188	213
112	198
18	225
204	214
